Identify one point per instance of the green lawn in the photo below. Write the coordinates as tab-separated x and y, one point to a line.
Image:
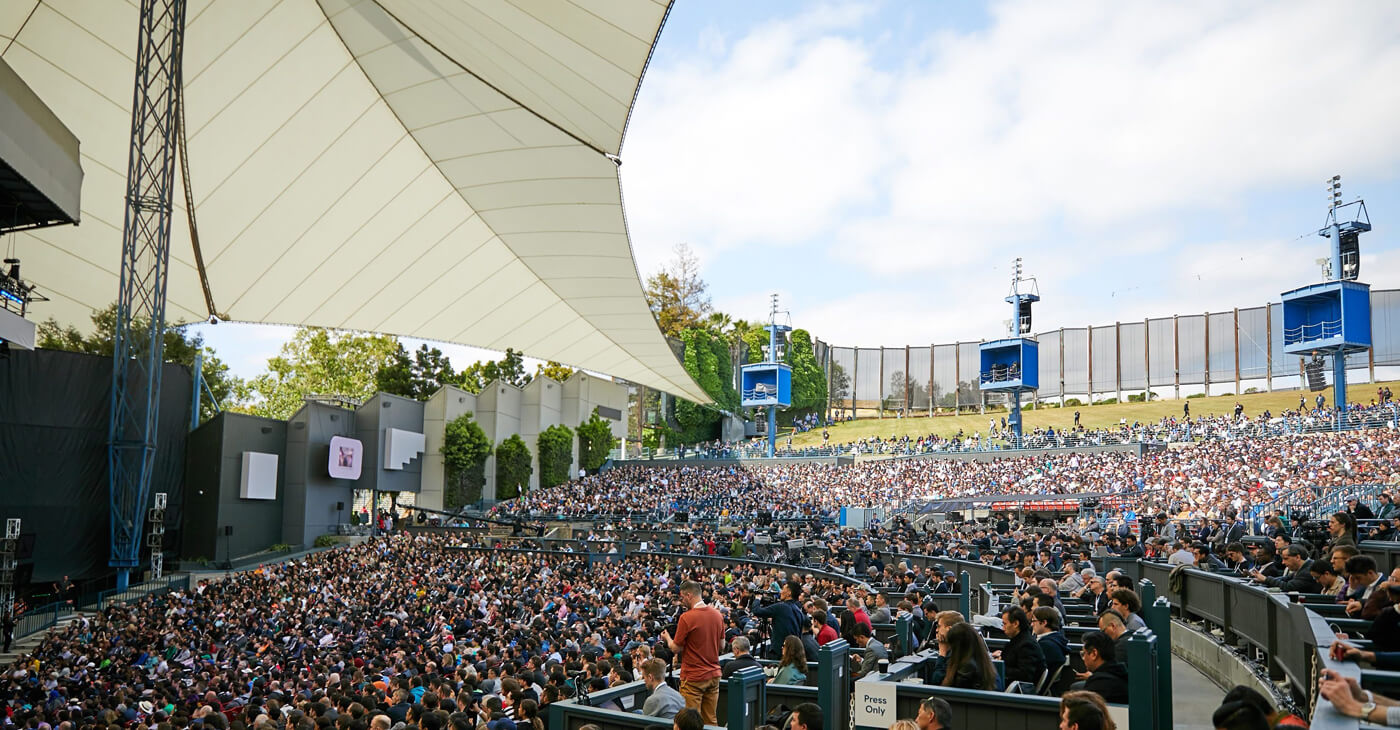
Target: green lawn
1090	416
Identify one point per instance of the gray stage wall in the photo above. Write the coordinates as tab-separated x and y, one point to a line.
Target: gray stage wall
309	501
213	474
54	411
372	420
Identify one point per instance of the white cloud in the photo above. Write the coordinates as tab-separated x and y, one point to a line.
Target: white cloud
1099	139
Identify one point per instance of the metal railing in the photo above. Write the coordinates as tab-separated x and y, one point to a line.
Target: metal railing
131	593
43	617
1314	331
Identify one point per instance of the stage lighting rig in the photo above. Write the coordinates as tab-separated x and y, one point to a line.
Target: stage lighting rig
16	295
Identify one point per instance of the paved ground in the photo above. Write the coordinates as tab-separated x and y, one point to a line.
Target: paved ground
1194	697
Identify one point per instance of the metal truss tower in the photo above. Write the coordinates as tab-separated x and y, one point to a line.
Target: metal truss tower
140	328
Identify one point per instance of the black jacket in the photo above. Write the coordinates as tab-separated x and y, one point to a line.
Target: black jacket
738	663
1111	682
1023	658
1055	647
1097	602
1301	581
788	619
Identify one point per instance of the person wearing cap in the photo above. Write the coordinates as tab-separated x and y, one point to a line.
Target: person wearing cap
949	584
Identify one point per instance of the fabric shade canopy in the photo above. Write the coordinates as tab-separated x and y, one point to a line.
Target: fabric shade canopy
441	169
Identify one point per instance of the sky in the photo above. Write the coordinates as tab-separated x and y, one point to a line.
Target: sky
879	165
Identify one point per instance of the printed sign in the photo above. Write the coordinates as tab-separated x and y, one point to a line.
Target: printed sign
874	704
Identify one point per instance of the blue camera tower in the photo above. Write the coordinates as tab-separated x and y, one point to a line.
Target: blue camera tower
768	384
1333	317
1012	364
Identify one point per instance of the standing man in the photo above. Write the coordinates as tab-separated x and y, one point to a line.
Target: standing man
699	635
787	616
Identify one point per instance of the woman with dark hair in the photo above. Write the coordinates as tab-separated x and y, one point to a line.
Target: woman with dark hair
1342	527
792	669
529	716
969	664
848	627
1244	708
1082	710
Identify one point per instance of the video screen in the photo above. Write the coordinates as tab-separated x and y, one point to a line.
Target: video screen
346	458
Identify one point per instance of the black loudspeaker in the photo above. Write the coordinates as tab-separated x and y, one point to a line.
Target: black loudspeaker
228	530
765	517
1316	374
682	517
339	506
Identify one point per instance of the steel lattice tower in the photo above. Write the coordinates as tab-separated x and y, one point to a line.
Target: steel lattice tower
139	343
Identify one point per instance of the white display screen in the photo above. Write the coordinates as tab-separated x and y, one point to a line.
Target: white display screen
346	458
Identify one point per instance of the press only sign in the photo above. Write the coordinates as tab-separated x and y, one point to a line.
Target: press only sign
874	704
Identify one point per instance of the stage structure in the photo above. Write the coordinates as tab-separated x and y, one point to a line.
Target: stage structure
139	342
1012	365
768	384
1333	317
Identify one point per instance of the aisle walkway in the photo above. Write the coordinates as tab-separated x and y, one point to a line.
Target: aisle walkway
1194	697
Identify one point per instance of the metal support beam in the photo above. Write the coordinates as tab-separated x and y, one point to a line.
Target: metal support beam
139	341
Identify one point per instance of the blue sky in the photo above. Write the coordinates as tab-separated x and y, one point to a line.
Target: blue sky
880	164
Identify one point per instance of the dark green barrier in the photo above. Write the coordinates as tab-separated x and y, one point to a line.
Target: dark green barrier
834	683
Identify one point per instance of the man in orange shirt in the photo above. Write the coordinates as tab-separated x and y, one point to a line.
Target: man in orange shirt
699	636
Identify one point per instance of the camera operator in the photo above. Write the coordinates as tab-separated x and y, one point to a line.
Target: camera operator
699	634
787	616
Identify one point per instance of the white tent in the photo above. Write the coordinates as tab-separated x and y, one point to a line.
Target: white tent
442	169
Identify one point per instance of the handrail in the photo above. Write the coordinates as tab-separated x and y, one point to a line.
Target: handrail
1287	633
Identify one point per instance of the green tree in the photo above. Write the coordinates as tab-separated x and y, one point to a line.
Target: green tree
677	295
513	468
808	378
595	441
509	369
554	370
418	375
322	361
555	445
755	341
465	449
180	347
707	360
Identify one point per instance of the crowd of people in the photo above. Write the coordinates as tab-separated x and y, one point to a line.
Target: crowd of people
1207	479
420	632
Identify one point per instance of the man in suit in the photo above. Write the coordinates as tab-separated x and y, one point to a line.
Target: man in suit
663	702
1096	596
872	651
1297	576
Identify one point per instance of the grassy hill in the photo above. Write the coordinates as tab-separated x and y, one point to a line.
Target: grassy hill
1090	416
